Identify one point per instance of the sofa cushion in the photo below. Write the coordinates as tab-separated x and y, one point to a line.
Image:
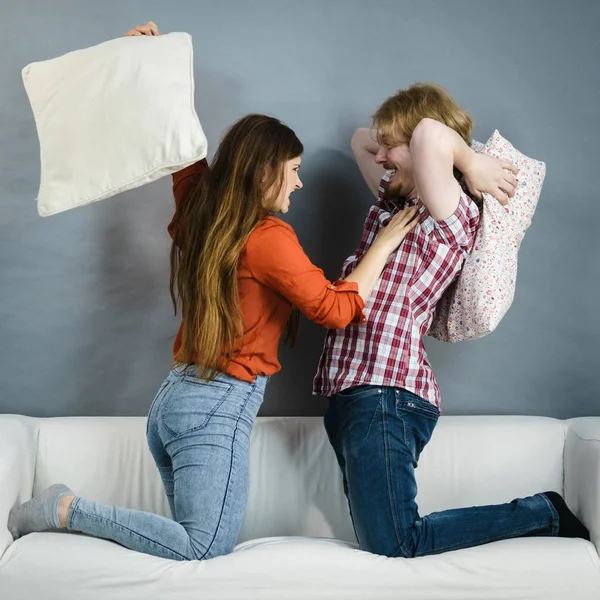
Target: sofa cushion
75	566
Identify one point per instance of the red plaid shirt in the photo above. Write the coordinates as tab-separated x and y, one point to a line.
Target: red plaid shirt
388	349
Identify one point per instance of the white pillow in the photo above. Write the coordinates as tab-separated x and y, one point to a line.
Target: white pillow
113	117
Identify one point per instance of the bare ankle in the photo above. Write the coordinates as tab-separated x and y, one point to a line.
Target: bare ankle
64	505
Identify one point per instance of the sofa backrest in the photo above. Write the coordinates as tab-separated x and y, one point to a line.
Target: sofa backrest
296	485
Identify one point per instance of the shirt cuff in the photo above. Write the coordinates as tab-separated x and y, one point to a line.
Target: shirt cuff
194	169
458	218
458	229
341	285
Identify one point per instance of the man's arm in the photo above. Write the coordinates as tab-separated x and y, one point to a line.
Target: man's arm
435	150
364	149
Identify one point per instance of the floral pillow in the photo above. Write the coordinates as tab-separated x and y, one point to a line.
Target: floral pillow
478	299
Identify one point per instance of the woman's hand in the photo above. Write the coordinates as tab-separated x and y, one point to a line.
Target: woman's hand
150	28
392	235
375	258
492	176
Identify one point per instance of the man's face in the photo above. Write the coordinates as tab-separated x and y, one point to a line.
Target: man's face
398	158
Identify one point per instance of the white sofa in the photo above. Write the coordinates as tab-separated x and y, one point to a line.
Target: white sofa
297	539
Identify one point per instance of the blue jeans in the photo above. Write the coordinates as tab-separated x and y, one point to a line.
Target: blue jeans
199	435
378	434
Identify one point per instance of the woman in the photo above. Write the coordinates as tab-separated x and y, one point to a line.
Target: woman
239	275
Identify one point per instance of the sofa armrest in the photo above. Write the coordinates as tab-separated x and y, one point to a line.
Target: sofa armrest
582	472
18	450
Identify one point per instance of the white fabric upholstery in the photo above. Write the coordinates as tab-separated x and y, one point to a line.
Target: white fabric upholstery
67	566
582	473
18	450
296	496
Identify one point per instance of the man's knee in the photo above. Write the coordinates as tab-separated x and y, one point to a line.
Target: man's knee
390	544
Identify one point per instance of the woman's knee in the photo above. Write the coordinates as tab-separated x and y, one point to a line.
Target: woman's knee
216	547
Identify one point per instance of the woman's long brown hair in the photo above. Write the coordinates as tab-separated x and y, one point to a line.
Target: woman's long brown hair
212	225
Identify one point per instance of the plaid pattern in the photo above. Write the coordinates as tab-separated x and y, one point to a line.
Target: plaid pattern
388	349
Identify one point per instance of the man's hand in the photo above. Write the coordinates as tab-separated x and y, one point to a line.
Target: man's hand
491	175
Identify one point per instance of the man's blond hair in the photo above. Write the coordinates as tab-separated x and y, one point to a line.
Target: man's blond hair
397	118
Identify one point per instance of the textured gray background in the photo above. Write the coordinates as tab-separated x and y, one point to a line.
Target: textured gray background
85	321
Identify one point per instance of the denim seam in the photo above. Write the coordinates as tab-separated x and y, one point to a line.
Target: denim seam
389	476
72	509
227	489
515	533
170	496
378	406
339	458
163	388
399	408
91	516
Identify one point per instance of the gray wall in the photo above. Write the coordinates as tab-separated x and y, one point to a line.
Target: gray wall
85	320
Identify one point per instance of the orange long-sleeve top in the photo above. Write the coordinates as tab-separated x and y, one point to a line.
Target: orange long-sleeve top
274	274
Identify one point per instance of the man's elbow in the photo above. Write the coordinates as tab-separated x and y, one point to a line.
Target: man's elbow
431	143
359	140
428	132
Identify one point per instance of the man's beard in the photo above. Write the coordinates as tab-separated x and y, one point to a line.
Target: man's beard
394	189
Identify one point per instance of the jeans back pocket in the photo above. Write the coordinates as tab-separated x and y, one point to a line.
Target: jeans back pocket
420	418
192	403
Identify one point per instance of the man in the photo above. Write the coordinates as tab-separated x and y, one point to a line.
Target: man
384	399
